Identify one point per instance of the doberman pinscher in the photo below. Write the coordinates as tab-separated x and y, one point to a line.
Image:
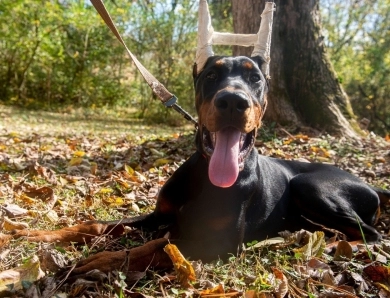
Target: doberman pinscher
226	194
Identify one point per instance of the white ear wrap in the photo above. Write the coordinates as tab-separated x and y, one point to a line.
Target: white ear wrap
263	44
207	37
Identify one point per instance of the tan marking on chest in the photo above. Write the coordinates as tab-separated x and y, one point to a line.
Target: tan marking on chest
220	223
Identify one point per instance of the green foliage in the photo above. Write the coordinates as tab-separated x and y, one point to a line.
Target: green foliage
57	53
358	39
62	54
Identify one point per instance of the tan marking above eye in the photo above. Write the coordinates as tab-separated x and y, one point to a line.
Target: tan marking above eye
219	62
248	65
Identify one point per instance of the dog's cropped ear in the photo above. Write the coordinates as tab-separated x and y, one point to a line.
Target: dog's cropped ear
262	48
260	62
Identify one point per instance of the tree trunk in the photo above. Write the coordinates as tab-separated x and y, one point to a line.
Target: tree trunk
304	89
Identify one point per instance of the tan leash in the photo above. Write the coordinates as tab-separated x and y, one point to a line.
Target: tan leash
167	98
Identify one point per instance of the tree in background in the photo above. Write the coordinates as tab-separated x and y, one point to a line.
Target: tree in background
304	88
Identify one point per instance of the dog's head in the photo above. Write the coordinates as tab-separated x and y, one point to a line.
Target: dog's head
230	102
230	95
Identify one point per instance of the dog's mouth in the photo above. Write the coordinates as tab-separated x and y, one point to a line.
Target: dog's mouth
227	149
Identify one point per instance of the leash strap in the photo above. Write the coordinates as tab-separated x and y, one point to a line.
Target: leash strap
167	98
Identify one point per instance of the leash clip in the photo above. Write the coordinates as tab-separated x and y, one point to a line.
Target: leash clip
170	102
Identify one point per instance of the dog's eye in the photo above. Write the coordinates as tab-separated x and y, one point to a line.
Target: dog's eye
254	78
211	76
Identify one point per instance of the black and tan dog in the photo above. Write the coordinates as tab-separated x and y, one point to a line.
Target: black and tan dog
226	194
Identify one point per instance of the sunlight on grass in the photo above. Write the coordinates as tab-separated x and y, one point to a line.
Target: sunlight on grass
81	122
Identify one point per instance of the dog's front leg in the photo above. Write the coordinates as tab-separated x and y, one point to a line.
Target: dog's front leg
139	259
82	233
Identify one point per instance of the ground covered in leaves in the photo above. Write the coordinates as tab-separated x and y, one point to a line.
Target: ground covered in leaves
59	170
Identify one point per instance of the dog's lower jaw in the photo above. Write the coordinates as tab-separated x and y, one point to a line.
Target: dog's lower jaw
226	151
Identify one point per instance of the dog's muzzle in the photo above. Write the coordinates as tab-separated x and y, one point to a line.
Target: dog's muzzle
229	128
227	150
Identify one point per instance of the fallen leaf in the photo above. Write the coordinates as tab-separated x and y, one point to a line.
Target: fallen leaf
140	177
219	289
52	260
4	239
156	152
377	273
161	161
13	210
314	247
10	225
75	161
51	216
94	168
105	190
129	170
78	153
27	200
48	174
185	271
28	272
113	201
267	242
45	194
282	288
343	251
256	294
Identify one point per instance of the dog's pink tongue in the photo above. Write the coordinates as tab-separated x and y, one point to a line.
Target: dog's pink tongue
223	167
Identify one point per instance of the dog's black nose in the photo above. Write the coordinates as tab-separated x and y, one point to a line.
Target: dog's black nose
231	102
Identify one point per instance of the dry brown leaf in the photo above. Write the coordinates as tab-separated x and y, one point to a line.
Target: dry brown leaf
377	273
185	271
51	216
314	247
10	225
343	251
52	260
255	294
13	210
219	289
48	174
13	278
4	239
282	287
45	194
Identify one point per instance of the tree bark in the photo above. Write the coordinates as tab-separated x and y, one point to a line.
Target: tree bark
304	90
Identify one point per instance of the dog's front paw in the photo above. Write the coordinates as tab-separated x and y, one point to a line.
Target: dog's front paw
105	261
137	259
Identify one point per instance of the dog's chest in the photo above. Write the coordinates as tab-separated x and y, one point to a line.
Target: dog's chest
210	213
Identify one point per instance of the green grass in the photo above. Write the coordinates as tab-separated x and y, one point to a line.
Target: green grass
78	122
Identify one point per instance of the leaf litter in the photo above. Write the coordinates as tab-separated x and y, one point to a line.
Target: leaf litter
53	177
